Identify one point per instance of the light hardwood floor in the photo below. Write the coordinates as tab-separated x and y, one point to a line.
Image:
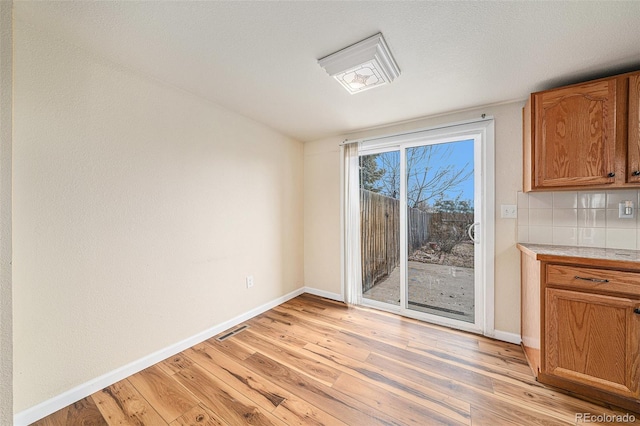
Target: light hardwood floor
313	361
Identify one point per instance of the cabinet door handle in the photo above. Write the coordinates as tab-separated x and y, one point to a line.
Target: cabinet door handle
611	175
594	280
636	173
636	311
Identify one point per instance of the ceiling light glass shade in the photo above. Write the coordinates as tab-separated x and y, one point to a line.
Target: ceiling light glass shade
363	65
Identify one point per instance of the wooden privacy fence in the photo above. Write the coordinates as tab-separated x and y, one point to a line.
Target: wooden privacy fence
380	235
418	228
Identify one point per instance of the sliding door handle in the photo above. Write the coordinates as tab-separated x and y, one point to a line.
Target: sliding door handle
471	231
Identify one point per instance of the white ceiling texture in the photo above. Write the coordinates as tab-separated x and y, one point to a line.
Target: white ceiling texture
259	58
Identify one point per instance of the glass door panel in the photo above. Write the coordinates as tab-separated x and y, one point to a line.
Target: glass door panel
440	193
380	226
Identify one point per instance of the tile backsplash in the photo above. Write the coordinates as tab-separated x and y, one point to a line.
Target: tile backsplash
578	218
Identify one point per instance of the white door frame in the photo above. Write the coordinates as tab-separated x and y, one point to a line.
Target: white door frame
482	132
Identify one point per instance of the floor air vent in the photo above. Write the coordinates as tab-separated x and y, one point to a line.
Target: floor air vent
232	333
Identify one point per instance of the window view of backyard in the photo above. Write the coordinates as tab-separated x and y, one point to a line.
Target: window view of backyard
440	274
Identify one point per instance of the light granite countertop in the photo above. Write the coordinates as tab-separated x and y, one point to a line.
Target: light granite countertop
544	251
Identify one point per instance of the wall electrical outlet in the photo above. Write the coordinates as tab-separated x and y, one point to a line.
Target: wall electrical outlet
508	211
626	210
249	281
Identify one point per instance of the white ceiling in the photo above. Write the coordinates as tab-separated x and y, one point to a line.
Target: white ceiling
260	58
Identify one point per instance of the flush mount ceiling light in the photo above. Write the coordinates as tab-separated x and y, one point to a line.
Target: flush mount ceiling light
362	66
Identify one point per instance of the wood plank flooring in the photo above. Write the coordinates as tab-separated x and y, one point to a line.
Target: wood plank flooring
312	361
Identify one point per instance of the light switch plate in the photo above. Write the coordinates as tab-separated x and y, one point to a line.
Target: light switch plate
508	211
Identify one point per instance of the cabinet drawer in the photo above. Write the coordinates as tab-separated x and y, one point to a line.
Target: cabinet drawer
594	279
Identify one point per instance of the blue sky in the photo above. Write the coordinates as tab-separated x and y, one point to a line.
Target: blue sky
457	155
463	154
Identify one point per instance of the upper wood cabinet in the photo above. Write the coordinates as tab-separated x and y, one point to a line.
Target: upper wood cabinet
633	147
575	134
584	135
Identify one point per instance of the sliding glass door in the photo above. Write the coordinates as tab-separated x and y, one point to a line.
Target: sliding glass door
420	227
380	226
440	198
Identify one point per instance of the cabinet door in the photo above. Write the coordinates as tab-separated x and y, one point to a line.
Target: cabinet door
593	340
633	147
575	135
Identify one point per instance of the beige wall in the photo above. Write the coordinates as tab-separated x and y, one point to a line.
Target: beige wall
138	211
6	328
322	214
322	206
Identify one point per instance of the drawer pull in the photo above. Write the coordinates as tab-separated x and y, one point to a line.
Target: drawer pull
636	311
594	280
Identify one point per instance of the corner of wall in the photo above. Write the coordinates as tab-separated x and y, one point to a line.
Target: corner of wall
323	293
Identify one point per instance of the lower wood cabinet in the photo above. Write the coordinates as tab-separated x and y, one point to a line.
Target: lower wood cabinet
593	340
581	325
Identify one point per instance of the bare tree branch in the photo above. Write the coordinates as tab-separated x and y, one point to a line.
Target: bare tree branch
431	174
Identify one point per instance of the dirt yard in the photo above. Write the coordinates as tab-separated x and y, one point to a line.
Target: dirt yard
439	283
461	255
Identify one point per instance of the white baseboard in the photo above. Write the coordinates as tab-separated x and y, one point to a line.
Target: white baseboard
322	293
58	402
506	336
